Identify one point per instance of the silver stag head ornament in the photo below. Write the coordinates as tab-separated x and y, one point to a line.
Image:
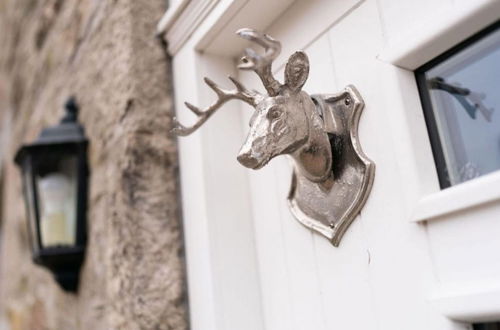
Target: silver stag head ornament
332	177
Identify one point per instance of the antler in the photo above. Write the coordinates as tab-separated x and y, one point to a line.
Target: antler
223	95
261	64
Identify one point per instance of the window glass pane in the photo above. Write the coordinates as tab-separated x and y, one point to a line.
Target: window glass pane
487	326
463	101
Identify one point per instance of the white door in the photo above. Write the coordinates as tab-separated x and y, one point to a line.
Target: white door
409	260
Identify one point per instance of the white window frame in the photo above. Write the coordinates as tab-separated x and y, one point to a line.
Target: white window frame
476	301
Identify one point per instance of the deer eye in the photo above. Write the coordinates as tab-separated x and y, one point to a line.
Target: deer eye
274	113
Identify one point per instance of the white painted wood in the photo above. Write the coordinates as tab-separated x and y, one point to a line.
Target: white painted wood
409	139
439	27
184	22
221	40
395	254
465	246
469	303
470	194
407	16
202	302
250	264
305	21
271	251
218	228
173	12
463	234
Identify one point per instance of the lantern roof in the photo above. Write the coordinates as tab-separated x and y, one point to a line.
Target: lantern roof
68	131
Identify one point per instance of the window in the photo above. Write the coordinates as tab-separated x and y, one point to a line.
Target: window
487	326
460	94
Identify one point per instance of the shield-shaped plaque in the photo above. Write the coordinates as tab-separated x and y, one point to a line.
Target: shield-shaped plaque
330	207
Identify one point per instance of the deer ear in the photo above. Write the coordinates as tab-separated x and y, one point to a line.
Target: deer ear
296	71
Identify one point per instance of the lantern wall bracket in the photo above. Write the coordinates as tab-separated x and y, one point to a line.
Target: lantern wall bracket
332	176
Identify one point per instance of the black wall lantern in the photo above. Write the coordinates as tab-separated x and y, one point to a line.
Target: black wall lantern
55	173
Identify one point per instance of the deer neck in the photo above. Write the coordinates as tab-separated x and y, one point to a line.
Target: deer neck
314	157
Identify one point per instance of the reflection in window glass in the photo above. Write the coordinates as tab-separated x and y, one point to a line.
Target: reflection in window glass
460	94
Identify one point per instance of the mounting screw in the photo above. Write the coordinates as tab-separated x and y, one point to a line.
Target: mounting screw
347	100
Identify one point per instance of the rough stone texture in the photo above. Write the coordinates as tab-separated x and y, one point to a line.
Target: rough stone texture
103	52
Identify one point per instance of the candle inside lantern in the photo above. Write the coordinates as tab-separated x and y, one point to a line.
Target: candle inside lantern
57	218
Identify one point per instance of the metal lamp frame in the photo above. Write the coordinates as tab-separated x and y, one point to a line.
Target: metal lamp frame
66	138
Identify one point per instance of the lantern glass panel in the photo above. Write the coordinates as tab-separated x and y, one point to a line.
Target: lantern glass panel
56	183
30	204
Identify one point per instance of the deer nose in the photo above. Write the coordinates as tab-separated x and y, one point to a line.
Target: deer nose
246	159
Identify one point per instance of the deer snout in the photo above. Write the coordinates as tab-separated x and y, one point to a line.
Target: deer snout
248	160
255	152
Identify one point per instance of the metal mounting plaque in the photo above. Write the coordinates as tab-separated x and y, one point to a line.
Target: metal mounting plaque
330	207
332	177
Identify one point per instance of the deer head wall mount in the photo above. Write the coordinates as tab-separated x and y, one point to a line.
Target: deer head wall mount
332	177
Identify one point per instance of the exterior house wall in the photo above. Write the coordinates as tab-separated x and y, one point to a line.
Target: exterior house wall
104	53
411	259
417	257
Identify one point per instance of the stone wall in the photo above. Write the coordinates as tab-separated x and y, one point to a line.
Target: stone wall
103	52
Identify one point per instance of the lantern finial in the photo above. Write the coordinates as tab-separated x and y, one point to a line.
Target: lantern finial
71	108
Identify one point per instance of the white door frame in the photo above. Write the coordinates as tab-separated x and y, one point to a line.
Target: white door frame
216	207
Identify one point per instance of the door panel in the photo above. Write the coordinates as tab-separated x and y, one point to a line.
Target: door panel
375	271
258	267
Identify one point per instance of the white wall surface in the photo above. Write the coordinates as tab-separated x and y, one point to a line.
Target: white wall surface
250	264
